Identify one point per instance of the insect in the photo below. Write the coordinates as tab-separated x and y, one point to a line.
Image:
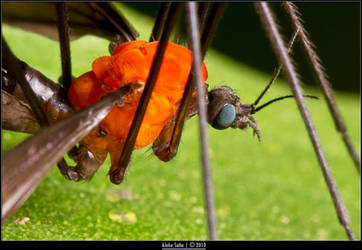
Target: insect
228	106
130	63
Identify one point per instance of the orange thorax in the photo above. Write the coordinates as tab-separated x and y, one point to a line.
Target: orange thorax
131	63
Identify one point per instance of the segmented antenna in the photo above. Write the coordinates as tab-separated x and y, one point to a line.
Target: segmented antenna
279	99
274	77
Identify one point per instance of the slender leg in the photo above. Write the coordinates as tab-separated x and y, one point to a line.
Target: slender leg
116	19
13	65
206	166
161	145
160	21
202	12
210	27
267	19
295	17
24	167
277	70
63	30
117	172
66	78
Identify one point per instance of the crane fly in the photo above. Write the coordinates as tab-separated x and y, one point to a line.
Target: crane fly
171	101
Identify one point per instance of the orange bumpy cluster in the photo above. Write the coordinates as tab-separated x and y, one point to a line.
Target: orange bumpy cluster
131	63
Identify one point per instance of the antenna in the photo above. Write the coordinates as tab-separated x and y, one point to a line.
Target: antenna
277	70
274	77
278	99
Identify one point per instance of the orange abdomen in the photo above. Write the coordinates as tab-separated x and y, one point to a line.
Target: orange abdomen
131	63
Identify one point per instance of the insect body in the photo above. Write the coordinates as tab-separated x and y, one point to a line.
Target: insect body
109	73
131	63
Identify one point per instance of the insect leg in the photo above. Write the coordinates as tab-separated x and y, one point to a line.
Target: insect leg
87	162
117	171
52	99
196	65
267	20
125	32
14	66
20	177
63	30
116	19
50	96
16	114
210	27
161	145
160	21
203	10
277	70
295	17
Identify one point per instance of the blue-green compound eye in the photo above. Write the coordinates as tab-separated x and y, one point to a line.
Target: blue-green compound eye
225	118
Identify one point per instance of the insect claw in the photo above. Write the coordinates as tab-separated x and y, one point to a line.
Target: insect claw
116	176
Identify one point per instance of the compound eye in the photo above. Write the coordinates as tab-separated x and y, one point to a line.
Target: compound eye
225	117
